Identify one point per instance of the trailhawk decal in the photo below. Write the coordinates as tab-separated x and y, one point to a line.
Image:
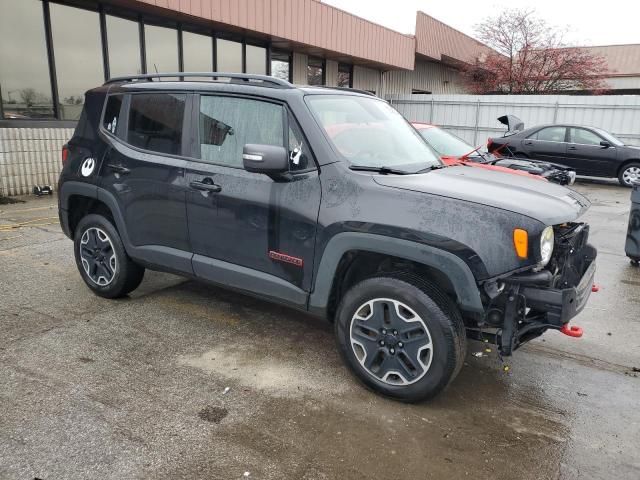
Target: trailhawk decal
281	257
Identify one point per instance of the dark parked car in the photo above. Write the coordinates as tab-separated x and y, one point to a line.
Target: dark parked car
590	151
453	150
296	195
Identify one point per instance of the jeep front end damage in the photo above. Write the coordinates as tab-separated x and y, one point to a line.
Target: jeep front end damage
524	305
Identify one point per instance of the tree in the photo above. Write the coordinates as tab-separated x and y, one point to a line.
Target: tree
530	56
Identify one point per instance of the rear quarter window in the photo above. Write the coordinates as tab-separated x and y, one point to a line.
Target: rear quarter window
112	113
155	122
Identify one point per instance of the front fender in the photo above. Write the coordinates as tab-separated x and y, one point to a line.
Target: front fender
449	264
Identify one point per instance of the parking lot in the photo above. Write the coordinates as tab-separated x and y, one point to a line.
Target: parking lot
184	380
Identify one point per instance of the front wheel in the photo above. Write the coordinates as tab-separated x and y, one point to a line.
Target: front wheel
629	174
402	337
102	260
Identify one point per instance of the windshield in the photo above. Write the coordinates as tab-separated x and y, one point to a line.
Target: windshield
608	137
368	132
445	143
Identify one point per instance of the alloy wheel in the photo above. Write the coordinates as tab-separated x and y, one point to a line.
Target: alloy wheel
391	341
98	256
631	175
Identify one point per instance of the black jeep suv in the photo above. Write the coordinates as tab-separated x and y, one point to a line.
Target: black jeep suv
328	201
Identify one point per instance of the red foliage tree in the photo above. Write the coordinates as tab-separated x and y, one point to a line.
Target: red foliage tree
529	56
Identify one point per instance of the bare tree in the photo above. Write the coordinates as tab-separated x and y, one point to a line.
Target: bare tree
28	96
531	56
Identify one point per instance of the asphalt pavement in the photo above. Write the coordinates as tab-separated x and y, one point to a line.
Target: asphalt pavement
184	380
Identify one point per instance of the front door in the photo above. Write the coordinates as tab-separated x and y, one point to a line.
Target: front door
587	156
249	230
143	171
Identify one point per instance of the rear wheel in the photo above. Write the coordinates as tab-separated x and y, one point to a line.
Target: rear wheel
402	337
102	260
629	174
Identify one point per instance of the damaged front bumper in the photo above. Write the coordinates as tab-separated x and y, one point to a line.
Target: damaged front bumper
524	305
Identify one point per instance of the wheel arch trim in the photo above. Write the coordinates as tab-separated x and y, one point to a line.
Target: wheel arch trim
455	269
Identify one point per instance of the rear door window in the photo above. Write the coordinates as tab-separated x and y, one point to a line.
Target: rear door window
550	134
155	122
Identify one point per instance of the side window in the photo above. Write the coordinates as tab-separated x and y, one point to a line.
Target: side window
112	113
227	124
155	122
584	137
551	134
299	152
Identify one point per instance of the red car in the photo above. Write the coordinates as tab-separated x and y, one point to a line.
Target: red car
455	151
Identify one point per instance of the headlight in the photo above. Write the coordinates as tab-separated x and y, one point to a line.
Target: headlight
546	245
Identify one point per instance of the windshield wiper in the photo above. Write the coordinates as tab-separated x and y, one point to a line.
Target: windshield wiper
381	170
431	167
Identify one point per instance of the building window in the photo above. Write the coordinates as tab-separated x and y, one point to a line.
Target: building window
315	71
24	69
197	52
155	122
345	77
78	53
229	56
123	39
161	48
256	60
281	65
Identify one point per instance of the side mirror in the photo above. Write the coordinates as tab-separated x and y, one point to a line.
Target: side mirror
605	144
267	159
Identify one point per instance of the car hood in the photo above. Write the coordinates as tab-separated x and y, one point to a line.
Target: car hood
546	202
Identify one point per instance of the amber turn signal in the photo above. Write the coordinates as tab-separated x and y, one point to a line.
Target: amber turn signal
521	242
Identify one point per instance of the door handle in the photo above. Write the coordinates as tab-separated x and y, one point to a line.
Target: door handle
572	148
206	185
528	143
119	169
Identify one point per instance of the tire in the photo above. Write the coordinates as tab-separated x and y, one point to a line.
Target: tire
417	313
102	260
628	173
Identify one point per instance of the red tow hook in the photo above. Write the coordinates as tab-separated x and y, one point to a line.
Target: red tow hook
595	288
573	331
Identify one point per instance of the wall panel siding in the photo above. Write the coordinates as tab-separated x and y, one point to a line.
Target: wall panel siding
331	73
30	156
366	79
309	22
299	68
428	76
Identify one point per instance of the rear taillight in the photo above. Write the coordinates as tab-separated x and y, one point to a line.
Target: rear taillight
65	154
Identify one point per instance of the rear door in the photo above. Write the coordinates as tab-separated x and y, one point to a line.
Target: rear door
144	170
587	156
246	226
548	143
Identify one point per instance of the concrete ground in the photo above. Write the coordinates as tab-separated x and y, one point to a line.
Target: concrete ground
135	388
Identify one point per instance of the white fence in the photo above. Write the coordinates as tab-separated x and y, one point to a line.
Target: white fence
474	117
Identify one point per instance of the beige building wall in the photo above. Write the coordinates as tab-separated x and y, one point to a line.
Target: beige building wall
299	68
367	79
428	77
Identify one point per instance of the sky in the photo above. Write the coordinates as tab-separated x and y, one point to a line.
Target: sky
587	22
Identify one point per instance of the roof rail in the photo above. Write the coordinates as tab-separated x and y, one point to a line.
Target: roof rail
244	77
347	89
